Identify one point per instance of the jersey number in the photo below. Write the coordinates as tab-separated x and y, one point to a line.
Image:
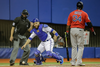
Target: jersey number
75	18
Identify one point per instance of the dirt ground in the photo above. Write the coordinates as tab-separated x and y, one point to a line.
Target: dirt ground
53	60
88	65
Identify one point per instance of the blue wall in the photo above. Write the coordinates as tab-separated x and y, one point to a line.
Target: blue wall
4	9
48	11
45	11
16	7
89	52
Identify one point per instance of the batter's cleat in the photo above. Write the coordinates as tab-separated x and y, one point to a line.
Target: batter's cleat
80	65
73	62
23	64
73	65
61	61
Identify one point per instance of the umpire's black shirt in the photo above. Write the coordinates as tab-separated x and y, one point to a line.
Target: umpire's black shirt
21	25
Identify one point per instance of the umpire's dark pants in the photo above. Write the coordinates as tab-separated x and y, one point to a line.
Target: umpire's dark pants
20	40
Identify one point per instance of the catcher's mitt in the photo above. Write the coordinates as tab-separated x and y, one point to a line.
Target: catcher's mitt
60	41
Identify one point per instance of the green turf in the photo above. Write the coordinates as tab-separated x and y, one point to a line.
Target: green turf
50	63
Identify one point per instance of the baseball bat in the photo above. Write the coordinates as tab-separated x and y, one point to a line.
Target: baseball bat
67	52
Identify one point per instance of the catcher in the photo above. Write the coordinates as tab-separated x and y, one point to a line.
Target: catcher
43	32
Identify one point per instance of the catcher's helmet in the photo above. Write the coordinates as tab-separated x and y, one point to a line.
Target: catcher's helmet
25	12
35	20
80	5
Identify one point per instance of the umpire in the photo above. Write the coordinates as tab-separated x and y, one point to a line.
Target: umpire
19	27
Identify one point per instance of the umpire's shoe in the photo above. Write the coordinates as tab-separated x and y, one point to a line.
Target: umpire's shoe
11	63
23	64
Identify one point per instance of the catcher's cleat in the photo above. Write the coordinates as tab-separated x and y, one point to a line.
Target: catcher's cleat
37	63
62	61
44	60
34	61
57	61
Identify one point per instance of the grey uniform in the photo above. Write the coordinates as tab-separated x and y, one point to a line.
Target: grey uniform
21	26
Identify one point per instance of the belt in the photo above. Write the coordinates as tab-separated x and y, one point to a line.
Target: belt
46	40
78	27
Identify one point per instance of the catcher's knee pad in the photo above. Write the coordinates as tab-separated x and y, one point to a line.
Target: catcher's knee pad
37	53
49	53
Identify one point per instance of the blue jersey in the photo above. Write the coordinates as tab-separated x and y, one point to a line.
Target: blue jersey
43	32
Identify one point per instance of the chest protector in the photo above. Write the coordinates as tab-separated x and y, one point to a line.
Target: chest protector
40	33
22	26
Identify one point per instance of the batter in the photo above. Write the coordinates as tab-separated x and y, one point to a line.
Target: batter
76	21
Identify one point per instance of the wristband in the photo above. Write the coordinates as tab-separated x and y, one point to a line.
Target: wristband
52	30
67	31
92	29
30	38
56	34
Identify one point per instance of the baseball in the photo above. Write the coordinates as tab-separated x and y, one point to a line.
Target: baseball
23	62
